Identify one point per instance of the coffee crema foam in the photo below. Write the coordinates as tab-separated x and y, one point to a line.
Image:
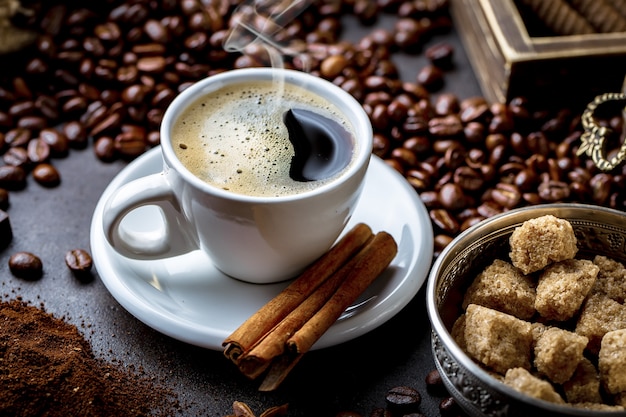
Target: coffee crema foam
235	138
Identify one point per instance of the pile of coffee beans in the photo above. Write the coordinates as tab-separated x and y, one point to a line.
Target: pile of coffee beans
116	65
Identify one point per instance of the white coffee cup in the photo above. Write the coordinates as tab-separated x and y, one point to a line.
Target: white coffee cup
251	238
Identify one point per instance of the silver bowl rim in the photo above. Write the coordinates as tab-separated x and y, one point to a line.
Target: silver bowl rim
457	353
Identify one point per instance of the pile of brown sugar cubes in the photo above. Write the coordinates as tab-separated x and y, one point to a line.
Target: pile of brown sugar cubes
548	324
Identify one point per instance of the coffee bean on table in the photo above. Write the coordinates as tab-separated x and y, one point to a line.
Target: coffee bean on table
46	175
79	262
104	148
403	399
38	151
431	77
448	407
12	177
434	383
26	265
56	140
17	156
440	55
6	233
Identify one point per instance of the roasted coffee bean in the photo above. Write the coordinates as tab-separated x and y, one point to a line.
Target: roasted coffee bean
130	144
108	124
434	383
446	104
381	145
489	209
104	148
441	241
79	261
440	55
38	151
26	265
32	123
600	188
17	137
404	156
56	140
448	407
430	77
17	157
506	195
452	197
403	399
48	106
76	134
22	108
46	175
12	177
6	232
447	126
553	191
468	179
332	66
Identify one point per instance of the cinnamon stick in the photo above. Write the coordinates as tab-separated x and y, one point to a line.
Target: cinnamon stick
368	264
355	277
253	329
254	361
279	370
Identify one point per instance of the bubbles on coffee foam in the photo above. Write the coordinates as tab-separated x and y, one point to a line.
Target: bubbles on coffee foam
228	139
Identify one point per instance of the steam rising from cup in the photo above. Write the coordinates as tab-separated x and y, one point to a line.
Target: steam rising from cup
261	22
318	142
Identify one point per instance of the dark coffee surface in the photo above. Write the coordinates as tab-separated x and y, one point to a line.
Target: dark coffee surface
353	376
322	147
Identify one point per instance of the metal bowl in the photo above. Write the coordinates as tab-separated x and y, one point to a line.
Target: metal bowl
598	230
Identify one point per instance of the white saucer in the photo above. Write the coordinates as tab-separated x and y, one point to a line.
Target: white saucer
187	298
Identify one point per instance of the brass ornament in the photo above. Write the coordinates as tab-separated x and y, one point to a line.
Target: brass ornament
592	140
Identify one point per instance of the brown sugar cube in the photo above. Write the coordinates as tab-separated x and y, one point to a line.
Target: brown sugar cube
458	331
526	383
538	329
498	340
558	352
541	241
503	287
562	288
600	315
611	278
584	386
612	361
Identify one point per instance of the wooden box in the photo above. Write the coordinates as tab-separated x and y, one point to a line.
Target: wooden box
508	62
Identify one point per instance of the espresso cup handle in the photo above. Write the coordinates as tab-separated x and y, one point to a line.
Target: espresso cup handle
177	234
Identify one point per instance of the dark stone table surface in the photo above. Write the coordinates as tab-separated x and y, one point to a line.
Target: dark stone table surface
353	376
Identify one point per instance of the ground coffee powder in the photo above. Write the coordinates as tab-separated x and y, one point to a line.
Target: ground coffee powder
47	368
